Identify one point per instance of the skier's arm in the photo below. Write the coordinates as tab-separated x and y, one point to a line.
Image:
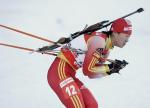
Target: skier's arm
96	46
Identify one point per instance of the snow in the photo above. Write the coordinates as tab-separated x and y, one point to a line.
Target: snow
23	76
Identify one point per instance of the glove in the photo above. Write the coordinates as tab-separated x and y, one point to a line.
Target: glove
116	66
121	64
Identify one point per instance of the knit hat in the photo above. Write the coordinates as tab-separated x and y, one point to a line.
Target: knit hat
121	26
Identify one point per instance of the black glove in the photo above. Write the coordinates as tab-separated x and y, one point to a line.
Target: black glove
116	66
120	63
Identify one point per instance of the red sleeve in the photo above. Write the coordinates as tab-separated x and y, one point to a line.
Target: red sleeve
96	46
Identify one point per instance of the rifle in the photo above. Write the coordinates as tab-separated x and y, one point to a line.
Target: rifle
98	26
87	30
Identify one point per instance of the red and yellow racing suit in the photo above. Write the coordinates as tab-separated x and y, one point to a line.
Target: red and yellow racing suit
61	75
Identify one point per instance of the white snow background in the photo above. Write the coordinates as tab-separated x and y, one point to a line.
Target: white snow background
23	76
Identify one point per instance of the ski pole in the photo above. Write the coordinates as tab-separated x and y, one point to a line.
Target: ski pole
27	34
26	49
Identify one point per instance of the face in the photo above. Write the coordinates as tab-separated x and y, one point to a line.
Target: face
120	39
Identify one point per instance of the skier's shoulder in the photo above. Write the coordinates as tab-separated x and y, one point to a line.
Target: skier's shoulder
97	38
